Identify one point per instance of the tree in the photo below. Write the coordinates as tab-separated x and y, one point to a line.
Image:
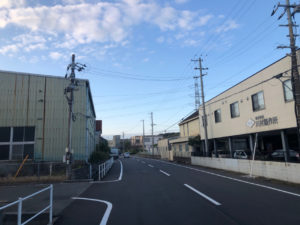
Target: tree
100	154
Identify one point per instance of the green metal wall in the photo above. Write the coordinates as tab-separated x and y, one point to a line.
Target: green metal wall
36	100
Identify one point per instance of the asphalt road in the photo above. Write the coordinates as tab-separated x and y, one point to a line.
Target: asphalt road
152	192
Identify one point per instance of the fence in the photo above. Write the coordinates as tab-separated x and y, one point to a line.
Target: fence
104	168
32	169
19	202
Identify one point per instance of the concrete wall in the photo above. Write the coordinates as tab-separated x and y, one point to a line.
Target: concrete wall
274	170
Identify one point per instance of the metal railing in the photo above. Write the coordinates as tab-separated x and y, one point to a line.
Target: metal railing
19	202
104	168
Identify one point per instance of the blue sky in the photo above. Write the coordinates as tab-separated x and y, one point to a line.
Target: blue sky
138	53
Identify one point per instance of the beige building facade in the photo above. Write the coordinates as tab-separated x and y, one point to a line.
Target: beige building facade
189	128
261	104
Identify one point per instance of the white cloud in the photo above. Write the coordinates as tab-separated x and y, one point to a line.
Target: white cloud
12	3
55	55
228	25
100	22
9	49
146	60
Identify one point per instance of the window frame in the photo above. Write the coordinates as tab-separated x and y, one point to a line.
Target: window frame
11	143
284	86
220	117
263	97
231	114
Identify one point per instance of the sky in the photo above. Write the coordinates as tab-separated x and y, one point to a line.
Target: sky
138	52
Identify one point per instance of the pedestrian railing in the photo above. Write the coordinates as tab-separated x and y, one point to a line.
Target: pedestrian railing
104	168
19	202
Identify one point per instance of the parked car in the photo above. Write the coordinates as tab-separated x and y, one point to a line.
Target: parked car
240	154
279	154
221	154
126	155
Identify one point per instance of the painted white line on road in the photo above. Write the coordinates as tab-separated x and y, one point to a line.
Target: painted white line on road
150	165
110	181
231	178
143	162
164	173
107	211
203	195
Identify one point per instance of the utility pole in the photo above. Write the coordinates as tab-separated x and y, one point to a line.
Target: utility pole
152	125
123	143
294	67
143	136
69	94
204	118
197	95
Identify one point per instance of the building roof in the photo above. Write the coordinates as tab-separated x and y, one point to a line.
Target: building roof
193	116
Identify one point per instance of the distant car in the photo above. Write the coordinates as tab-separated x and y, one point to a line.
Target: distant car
240	154
279	154
126	155
114	152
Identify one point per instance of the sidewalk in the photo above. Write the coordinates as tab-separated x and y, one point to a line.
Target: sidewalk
62	194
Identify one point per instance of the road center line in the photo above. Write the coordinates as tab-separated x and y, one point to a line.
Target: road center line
203	195
231	178
150	165
107	211
164	173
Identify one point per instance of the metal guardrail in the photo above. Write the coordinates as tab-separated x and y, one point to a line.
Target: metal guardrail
20	201
104	168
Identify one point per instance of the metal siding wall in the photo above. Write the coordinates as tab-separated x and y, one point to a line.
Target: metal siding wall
32	100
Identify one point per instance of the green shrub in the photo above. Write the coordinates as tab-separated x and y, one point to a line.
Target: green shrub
98	157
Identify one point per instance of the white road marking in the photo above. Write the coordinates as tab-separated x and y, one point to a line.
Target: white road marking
165	173
203	195
150	165
143	162
231	178
110	181
107	211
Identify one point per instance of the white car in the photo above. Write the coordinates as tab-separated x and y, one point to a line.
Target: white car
126	155
240	154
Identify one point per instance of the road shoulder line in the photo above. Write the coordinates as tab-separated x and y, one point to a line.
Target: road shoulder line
110	181
107	211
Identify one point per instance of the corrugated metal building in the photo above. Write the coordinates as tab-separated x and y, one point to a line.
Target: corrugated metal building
34	118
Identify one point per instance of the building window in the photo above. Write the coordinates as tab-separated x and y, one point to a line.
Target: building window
217	116
288	91
16	143
186	147
180	148
258	102
234	110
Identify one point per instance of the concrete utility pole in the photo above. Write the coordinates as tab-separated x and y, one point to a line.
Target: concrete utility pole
69	93
152	125
123	143
143	136
294	67
204	118
197	95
